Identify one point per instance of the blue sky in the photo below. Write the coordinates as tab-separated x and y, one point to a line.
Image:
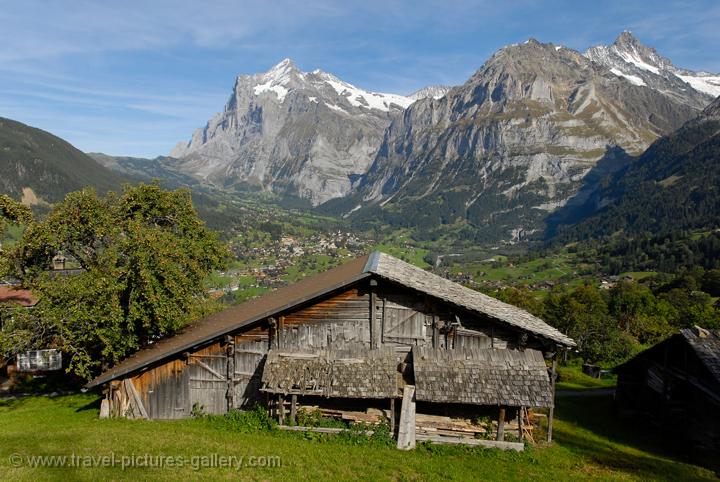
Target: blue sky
135	77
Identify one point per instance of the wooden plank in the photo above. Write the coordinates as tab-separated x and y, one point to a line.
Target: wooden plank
295	428
442	439
406	430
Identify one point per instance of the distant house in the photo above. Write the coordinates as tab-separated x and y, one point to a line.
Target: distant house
13	295
33	361
351	341
676	385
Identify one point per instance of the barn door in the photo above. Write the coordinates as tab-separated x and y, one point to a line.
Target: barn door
249	363
208	382
402	324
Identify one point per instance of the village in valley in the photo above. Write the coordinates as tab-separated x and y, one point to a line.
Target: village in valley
506	269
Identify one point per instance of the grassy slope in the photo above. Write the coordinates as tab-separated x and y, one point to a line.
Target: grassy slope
50	166
589	445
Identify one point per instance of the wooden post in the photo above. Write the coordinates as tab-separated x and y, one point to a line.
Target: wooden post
552	407
406	429
374	321
293	409
281	409
520	423
392	417
434	332
501	425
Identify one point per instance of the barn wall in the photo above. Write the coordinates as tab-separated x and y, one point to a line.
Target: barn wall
405	318
164	390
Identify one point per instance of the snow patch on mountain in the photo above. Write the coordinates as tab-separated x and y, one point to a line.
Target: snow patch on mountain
632	78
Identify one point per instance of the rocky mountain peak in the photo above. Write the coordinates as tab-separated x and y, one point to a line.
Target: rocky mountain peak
431	91
303	134
643	66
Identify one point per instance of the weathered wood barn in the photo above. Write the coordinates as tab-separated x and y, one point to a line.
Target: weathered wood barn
356	337
676	385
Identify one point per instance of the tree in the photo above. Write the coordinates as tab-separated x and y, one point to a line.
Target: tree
583	315
14	212
143	256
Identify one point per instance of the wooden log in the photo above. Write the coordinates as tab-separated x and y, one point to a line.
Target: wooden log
551	414
501	425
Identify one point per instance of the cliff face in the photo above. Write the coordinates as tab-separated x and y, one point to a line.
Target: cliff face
515	141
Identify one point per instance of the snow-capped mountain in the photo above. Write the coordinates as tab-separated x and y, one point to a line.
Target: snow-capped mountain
643	66
431	91
521	138
306	134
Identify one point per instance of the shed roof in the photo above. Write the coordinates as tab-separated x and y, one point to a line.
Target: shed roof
17	296
703	342
331	373
376	263
480	376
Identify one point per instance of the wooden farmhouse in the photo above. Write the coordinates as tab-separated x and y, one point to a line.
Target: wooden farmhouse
351	342
676	385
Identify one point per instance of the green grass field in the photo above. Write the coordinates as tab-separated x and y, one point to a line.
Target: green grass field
589	444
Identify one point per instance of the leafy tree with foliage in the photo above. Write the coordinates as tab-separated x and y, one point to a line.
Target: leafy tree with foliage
13	212
143	256
583	315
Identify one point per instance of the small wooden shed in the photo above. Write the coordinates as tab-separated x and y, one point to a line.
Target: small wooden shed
352	339
675	385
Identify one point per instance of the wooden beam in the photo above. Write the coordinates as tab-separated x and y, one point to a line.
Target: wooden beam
501	425
210	369
130	388
551	414
280	329
375	336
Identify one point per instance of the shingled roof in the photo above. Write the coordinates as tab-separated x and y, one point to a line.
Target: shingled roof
482	377
411	276
375	264
329	373
706	344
